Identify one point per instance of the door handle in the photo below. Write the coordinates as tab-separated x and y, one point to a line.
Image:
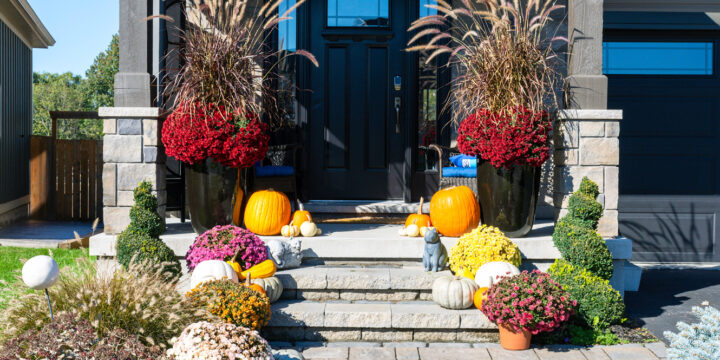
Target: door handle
397	114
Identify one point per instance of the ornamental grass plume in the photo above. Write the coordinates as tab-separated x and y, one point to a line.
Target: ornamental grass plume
134	300
222	242
219	341
531	302
480	246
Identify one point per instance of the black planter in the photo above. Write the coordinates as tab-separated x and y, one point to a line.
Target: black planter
508	197
210	191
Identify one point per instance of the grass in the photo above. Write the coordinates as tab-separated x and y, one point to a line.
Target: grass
11	262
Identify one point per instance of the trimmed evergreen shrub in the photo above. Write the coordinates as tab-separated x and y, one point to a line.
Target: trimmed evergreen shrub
141	248
143	196
589	187
585	208
583	247
144	221
599	305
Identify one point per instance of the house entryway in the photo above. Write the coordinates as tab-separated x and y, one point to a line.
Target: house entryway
357	112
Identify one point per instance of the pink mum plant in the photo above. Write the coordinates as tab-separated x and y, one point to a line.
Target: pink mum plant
222	242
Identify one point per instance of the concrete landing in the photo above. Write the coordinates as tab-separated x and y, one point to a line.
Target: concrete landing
363	207
43	234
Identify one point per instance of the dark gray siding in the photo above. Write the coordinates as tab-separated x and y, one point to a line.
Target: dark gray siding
15	115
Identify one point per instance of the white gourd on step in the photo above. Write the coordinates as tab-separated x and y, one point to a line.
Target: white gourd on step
272	285
490	273
212	270
454	292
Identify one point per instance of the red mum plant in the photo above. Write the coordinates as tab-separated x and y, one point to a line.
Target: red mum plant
513	136
530	302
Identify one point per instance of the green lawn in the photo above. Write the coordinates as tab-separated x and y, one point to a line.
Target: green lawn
11	266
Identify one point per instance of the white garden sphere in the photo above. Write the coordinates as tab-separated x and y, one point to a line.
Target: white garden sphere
212	270
40	272
492	272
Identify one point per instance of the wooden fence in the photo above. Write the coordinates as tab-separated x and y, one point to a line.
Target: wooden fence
65	178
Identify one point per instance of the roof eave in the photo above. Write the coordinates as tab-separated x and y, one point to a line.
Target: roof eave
22	19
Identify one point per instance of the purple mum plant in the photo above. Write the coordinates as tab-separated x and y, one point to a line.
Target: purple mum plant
222	242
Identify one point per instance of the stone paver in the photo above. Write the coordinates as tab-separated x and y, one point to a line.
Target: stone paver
632	352
595	353
357	315
560	352
409	344
369	353
453	354
403	353
450	345
423	315
658	349
500	353
326	353
353	344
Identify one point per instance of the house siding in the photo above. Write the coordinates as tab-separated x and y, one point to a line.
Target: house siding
15	115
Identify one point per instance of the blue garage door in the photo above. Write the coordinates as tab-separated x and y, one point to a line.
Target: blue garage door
668	85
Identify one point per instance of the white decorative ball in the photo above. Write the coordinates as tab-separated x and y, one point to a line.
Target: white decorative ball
40	272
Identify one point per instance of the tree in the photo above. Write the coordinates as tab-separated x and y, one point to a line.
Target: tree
63	92
99	87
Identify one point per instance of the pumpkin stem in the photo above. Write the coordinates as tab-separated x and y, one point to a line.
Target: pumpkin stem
234	258
420	206
300	205
247	279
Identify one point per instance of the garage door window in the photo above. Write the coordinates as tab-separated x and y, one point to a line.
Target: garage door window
658	58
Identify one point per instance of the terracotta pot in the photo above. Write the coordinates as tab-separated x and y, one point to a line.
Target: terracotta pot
512	340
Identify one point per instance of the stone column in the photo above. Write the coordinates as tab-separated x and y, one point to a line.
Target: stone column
130	155
132	82
587	144
587	85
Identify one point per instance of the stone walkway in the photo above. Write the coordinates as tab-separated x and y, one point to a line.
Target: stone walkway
456	351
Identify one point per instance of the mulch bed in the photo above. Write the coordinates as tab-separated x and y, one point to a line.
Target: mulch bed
632	332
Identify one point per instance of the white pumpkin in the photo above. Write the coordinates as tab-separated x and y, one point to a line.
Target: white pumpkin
412	230
454	292
290	230
490	273
40	272
212	270
308	228
272	285
402	231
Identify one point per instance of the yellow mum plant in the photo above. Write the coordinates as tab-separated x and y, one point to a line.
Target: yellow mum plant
480	246
233	303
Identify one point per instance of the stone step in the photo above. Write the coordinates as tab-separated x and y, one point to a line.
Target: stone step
364	207
302	320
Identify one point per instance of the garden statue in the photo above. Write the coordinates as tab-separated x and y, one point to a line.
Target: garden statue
435	256
285	254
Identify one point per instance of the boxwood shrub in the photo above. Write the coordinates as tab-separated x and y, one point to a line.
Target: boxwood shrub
585	208
583	246
141	248
589	187
145	221
599	305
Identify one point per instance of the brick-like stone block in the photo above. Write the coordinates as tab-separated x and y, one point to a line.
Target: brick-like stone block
565	157
115	219
612	129
500	353
434	336
359	279
357	315
319	334
130	175
568	178
339	353
109	183
412	316
566	135
129	127
592	128
122	148
125	198
382	335
150	154
150	132
109	126
608	224
297	314
611	189
318	295
440	353
629	352
352	295
474	336
599	151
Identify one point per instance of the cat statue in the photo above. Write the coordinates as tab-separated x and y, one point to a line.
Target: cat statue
435	256
285	254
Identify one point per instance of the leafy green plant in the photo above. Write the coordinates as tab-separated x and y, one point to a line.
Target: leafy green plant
141	248
599	305
589	188
134	300
583	247
585	208
696	341
143	214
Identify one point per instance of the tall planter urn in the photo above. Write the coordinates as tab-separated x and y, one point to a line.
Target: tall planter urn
508	196
211	194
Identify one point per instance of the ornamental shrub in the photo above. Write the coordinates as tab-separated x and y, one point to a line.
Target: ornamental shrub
143	196
599	305
696	341
482	245
143	214
585	208
583	247
589	187
222	242
154	253
233	303
206	340
528	301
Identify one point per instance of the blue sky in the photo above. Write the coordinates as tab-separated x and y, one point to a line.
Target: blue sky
81	28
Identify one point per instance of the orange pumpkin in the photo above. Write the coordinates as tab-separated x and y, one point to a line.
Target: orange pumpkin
301	215
454	211
266	212
418	219
256	287
479	297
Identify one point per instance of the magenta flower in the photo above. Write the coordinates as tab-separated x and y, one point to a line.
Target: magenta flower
222	242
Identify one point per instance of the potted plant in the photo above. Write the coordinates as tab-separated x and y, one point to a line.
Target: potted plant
501	98
220	94
526	304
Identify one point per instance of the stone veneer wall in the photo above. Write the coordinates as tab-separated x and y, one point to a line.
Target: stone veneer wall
131	154
587	144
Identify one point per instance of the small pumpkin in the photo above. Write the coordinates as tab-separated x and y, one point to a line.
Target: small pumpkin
454	211
308	228
479	297
419	219
273	287
454	292
212	270
423	230
290	230
266	212
490	273
256	287
301	215
261	270
412	230
402	231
